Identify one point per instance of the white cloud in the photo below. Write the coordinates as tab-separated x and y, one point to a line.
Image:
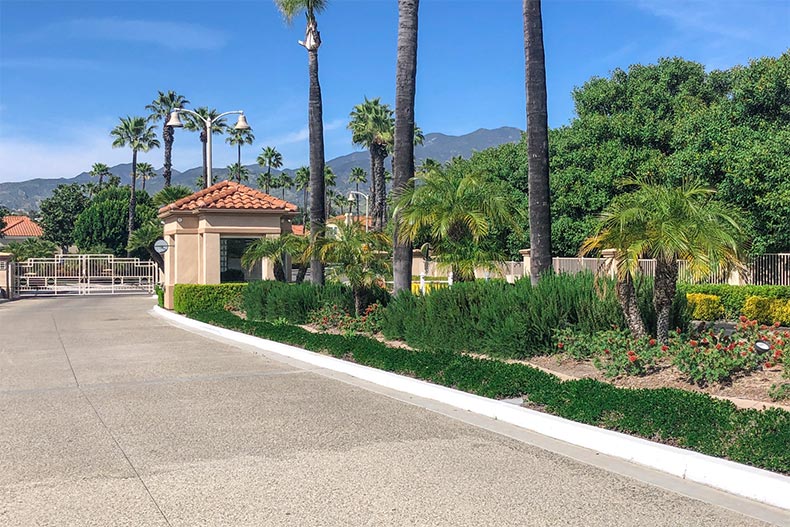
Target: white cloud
173	35
50	63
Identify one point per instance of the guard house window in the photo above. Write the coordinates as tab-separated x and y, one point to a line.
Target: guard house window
230	253
223	255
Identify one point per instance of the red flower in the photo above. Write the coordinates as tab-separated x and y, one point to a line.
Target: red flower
693	343
652	342
777	354
743	354
560	345
768	365
632	358
664	347
606	351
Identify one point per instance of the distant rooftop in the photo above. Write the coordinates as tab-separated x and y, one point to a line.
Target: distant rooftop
21	226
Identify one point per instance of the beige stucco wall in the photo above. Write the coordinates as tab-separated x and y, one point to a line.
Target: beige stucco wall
194	243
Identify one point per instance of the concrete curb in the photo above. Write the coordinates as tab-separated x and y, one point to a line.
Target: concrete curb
742	480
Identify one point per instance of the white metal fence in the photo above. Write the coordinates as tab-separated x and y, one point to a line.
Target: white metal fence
84	274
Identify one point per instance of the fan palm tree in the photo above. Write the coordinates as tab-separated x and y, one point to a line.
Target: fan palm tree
238	138
358	175
455	211
312	41
296	247
144	238
360	257
193	124
160	109
285	182
145	171
137	135
537	141
100	170
330	181
668	224
171	194
302	180
269	158
238	172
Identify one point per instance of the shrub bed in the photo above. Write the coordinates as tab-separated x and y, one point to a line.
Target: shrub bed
189	298
503	319
733	297
687	419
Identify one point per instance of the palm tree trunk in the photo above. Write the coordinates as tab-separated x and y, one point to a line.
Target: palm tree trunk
169	136
143	180
374	199
268	179
537	142
403	151
239	162
379	153
304	209
664	289
317	188
356	187
101	177
357	301
626	295
204	139
132	200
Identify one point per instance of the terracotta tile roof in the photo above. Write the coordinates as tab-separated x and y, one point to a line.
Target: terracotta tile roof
229	195
21	226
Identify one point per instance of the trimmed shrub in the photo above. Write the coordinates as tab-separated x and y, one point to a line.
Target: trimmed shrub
270	300
733	297
767	310
160	295
514	320
190	298
704	307
687	419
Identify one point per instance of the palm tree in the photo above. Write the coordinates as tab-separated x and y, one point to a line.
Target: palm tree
100	170
160	109
285	182
275	248
358	175
537	142
238	172
238	138
171	194
668	224
330	180
302	181
194	124
144	238
145	171
455	211
312	41
137	135
372	126
269	158
360	257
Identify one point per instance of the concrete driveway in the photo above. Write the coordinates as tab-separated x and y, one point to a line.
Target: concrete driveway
111	417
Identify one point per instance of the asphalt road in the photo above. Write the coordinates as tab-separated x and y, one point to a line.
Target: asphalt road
111	417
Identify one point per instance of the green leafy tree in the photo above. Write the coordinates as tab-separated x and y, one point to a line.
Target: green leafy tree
160	109
667	223
145	171
239	138
31	248
269	158
59	213
170	195
101	171
455	211
3	213
137	135
296	247
358	256
290	9
195	124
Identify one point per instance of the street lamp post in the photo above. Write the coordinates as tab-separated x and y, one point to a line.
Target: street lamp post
352	200
175	122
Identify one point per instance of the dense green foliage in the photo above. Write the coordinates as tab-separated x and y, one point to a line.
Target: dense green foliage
508	320
104	222
687	419
3	213
192	298
733	297
271	300
31	248
59	214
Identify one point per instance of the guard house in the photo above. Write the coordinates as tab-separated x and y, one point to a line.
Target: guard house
208	231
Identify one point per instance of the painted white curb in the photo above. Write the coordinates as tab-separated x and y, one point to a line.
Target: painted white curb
742	480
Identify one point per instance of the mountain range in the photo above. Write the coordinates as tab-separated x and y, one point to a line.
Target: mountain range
27	195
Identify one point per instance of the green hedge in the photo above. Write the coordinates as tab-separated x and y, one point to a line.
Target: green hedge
687	419
270	300
514	320
733	297
189	298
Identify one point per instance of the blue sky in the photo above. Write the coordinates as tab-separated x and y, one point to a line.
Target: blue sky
69	69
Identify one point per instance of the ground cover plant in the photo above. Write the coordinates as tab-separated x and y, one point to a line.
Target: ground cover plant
733	297
685	419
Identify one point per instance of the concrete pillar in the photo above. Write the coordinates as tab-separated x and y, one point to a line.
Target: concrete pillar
7	276
170	269
527	259
210	260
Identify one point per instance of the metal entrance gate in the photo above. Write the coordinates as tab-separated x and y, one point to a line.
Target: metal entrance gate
84	274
